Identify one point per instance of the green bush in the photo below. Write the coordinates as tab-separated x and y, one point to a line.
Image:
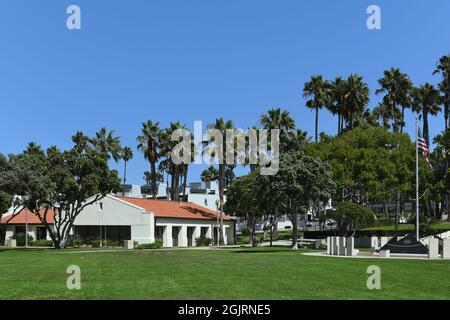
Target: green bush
78	242
156	245
20	239
203	242
95	243
110	243
42	243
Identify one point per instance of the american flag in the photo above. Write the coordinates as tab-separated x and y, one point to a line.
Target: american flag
425	151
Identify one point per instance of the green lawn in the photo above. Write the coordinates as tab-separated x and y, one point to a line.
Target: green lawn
410	227
264	273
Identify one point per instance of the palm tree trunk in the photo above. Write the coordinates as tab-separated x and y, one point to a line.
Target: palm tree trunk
317	124
153	176
403	119
339	124
125	173
221	198
426	131
185	174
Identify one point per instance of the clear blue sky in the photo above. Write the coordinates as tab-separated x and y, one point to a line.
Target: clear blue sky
196	60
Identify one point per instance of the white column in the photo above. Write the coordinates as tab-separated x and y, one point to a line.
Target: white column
342	246
182	237
329	249
167	236
209	232
383	241
197	233
374	242
335	246
433	249
446	249
225	235
350	246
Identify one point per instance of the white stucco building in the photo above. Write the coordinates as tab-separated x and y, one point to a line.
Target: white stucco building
141	220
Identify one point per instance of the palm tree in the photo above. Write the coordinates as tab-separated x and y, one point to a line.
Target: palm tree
126	156
276	118
335	101
149	144
166	147
426	101
397	87
209	174
222	126
105	142
315	89
443	67
356	98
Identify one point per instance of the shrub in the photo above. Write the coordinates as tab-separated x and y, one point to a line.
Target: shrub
203	242
78	242
20	239
156	245
95	243
110	243
42	243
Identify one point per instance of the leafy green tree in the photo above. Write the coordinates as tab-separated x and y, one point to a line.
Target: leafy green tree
368	164
300	181
316	90
6	185
441	157
244	200
351	216
62	184
149	143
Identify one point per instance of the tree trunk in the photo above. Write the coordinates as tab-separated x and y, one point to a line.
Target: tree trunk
426	132
176	183
317	124
185	174
221	198
403	119
125	172
294	220
153	177
339	123
397	209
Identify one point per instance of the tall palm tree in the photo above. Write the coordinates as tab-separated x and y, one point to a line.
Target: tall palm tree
149	145
356	98
166	147
276	118
126	156
315	89
222	125
108	144
426	101
335	101
398	88
443	67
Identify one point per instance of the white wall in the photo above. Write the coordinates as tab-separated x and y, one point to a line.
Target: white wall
116	212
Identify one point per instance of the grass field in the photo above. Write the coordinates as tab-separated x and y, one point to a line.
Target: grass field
263	273
410	227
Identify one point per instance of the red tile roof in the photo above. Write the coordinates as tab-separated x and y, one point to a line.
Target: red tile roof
20	218
174	209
